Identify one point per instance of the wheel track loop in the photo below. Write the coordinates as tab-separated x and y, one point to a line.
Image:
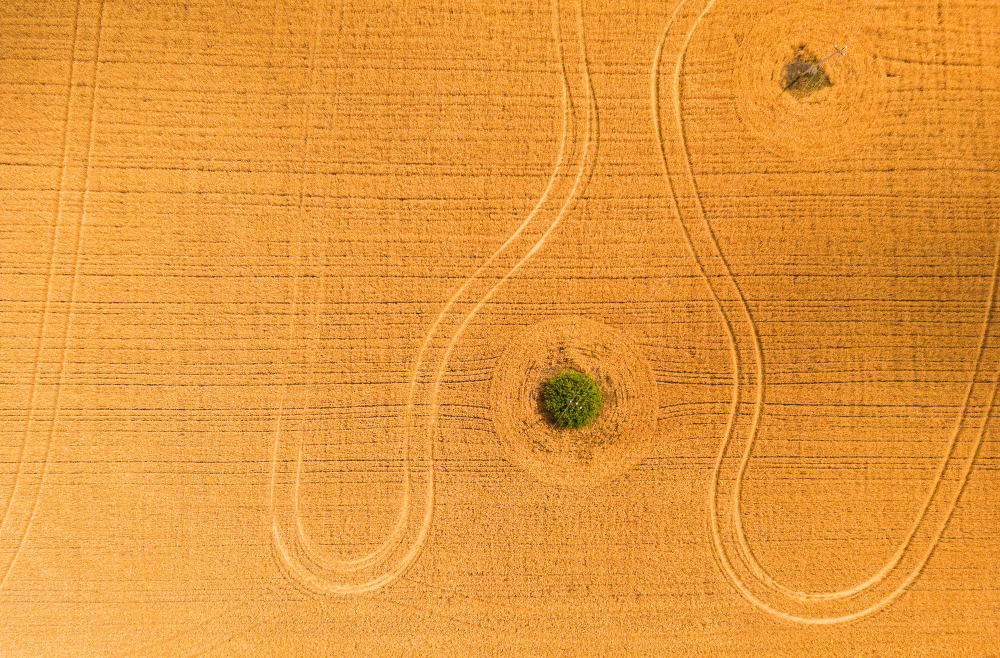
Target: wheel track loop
381	566
745	572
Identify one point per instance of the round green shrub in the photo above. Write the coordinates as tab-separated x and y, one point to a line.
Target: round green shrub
572	399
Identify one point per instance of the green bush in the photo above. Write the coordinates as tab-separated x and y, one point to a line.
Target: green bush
572	399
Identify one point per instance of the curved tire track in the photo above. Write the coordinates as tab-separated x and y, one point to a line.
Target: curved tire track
19	511
381	566
732	549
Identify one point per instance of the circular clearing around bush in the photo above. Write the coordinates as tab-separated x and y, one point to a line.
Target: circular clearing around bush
572	399
622	433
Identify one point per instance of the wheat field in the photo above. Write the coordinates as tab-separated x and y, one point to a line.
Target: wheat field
280	282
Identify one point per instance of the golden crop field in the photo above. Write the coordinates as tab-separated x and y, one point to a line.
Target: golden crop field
284	287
